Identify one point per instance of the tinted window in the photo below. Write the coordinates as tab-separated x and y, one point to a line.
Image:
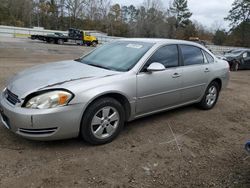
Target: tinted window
167	55
191	55
209	58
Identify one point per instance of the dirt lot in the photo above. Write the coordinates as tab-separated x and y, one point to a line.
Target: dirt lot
207	152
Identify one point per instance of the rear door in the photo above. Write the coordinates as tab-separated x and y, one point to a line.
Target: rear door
195	73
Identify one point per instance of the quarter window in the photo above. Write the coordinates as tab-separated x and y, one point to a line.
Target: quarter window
209	58
167	55
191	55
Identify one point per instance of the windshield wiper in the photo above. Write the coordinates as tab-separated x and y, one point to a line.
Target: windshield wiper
92	64
99	66
79	60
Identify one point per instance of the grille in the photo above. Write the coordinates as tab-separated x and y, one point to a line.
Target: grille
38	131
11	97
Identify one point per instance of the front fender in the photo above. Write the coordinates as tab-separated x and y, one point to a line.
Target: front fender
93	94
124	85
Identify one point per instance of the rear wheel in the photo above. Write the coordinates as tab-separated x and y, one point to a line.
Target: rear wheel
102	121
60	41
51	41
210	97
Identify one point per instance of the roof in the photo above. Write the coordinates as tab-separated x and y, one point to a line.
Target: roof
161	41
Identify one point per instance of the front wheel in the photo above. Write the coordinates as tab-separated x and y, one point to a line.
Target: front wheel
210	97
94	43
235	66
102	121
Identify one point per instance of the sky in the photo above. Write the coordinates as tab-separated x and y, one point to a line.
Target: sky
210	13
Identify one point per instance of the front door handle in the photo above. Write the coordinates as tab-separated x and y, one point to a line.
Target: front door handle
176	75
206	70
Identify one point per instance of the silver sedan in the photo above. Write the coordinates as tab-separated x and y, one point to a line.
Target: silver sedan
120	81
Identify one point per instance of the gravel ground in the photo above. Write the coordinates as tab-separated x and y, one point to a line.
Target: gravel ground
185	147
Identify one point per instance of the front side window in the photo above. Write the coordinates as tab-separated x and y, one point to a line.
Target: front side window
167	55
191	55
118	56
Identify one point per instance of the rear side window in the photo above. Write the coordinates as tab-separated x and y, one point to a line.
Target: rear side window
191	55
167	55
209	58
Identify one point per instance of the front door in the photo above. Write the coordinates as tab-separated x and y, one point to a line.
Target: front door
245	64
159	90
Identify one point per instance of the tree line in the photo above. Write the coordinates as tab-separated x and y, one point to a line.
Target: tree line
150	19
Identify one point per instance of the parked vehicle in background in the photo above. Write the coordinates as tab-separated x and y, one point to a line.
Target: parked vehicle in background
247	146
238	59
197	40
222	57
120	81
74	35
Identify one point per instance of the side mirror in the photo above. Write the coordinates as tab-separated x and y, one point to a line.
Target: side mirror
245	55
153	67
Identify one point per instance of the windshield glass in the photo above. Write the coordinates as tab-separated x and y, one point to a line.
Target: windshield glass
118	56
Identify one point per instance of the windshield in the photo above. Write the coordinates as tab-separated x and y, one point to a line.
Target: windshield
118	56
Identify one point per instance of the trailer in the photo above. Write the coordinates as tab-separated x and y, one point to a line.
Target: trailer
74	36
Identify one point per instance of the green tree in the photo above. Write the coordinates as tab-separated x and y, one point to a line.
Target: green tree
181	12
186	32
239	13
239	17
220	37
239	36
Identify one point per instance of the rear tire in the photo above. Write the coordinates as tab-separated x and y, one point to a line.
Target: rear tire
60	41
52	41
210	97
102	121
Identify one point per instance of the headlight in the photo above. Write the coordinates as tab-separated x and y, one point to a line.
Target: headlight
49	99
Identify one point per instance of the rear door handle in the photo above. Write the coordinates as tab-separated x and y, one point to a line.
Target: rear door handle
176	75
206	70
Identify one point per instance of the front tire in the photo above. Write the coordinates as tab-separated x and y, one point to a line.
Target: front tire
102	121
210	97
94	43
235	66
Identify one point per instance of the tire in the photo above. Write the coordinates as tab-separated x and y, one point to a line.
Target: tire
102	121
235	66
60	41
52	41
94	44
210	97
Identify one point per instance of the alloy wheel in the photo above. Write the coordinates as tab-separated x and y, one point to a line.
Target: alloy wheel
211	96
105	122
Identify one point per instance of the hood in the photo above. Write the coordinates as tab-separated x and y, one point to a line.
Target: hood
53	74
232	55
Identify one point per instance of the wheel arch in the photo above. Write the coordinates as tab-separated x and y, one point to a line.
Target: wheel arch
117	96
218	81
